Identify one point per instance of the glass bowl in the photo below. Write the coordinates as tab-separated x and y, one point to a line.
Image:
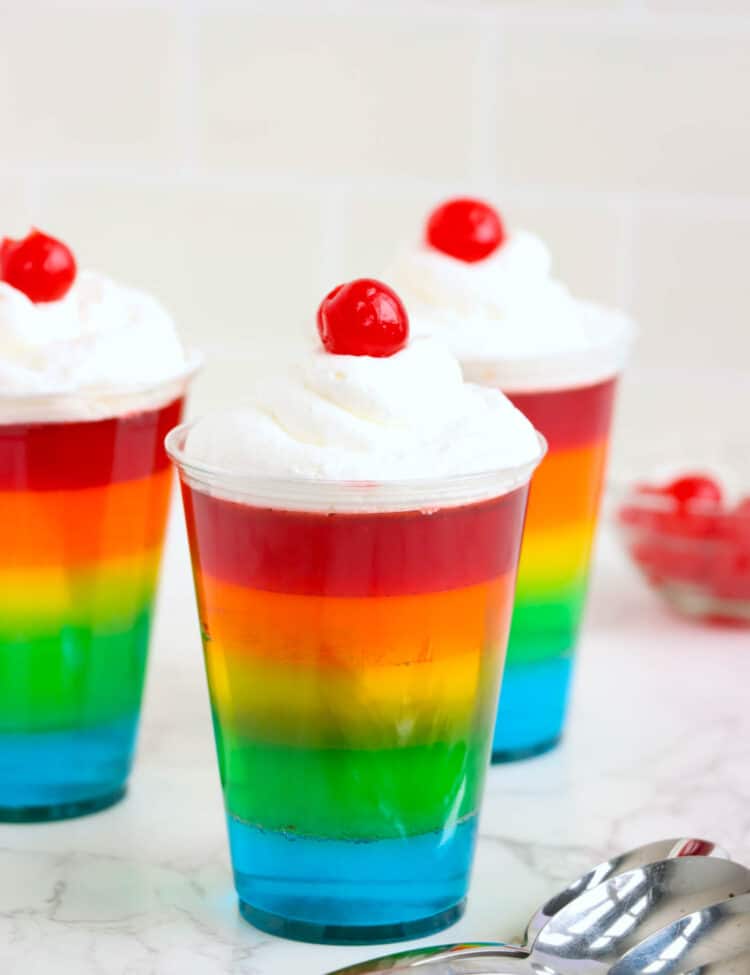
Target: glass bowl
695	554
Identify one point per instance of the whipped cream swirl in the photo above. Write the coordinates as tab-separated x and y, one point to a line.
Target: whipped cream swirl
507	319
357	418
100	341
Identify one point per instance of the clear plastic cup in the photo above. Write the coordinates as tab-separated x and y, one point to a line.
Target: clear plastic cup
354	636
83	508
569	399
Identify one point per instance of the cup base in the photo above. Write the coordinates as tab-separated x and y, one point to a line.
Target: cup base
502	756
50	775
60	810
531	714
343	891
333	934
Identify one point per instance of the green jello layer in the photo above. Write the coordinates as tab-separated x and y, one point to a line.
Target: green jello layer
74	677
545	628
350	794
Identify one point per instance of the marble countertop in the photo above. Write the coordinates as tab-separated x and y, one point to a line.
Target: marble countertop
659	746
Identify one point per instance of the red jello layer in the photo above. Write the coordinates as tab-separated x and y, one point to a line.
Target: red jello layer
88	453
392	553
570	417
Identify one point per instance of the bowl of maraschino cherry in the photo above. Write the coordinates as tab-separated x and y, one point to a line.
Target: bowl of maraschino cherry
690	538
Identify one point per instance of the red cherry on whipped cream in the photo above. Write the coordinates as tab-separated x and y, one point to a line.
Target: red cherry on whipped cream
466	229
363	317
40	266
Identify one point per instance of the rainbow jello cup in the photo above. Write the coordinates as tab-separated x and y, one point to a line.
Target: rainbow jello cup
491	297
83	508
84	492
553	570
354	635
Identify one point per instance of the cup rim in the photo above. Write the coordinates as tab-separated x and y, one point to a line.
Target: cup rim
303	493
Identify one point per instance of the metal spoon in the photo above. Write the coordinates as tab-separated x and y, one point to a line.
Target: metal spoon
639	857
603	924
450	954
739	965
593	932
715	934
712	941
461	959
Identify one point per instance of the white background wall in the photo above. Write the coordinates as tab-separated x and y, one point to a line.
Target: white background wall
239	158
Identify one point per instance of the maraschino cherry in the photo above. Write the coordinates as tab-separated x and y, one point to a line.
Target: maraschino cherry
466	229
363	317
40	266
695	488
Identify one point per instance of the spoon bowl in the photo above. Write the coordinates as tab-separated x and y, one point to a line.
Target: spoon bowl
639	857
610	920
716	934
739	965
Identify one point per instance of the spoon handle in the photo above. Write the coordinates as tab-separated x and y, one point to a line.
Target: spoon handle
462	959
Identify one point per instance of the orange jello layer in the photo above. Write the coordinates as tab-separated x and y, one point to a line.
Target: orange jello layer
371	672
566	487
347	632
83	526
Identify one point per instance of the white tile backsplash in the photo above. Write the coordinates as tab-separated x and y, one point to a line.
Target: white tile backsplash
239	157
339	97
625	107
239	268
88	84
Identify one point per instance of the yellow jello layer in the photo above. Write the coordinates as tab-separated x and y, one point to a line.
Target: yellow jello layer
554	561
47	598
371	672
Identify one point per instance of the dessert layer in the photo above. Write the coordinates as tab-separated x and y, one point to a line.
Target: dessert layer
35	601
352	794
569	418
339	554
566	488
353	660
508	319
560	523
553	562
346	633
99	336
405	416
353	673
87	453
74	676
82	513
545	627
75	527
